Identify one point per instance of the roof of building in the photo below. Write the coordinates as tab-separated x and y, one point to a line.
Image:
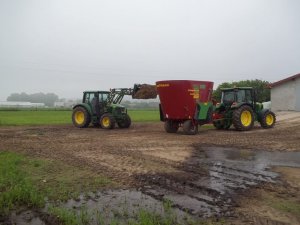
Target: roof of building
294	77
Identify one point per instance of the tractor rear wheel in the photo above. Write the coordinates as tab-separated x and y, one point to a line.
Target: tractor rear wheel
171	126
243	118
80	117
125	123
107	121
189	127
268	120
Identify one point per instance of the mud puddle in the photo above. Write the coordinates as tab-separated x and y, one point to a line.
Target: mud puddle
103	208
229	172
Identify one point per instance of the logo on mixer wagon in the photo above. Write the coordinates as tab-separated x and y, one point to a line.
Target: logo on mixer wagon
195	93
162	85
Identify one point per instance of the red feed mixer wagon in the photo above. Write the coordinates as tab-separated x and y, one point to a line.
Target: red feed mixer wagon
185	103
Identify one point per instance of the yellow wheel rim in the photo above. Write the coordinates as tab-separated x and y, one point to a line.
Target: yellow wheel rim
246	118
79	117
106	121
269	119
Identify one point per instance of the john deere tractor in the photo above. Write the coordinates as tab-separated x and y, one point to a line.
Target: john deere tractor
102	108
239	107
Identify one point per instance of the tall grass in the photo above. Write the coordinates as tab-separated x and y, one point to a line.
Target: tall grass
16	188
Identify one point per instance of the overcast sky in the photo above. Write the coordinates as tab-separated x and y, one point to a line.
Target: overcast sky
68	46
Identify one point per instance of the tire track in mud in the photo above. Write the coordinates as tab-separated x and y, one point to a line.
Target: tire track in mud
207	195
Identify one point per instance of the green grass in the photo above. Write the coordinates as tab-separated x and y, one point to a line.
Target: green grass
43	117
14	118
144	115
16	188
26	182
283	205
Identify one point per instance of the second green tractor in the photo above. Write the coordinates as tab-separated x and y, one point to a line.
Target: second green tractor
238	107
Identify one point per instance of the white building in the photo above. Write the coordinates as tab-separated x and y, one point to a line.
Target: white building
21	105
285	94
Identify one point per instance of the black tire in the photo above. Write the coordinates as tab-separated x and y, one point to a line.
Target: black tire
107	121
96	124
189	127
227	126
243	118
81	117
268	120
218	125
126	122
171	126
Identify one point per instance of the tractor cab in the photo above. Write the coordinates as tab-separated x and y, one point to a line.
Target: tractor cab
235	96
96	101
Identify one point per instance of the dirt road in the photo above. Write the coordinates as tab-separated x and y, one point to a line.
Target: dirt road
200	174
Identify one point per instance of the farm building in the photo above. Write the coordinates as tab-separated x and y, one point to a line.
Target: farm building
21	105
285	94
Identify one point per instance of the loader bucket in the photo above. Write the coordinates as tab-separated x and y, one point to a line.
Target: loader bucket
144	91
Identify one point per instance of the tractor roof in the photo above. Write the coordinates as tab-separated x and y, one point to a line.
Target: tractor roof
100	92
236	88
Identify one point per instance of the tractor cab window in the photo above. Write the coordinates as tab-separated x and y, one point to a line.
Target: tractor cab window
244	96
228	97
103	97
241	97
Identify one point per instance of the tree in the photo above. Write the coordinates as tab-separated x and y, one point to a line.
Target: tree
262	87
48	99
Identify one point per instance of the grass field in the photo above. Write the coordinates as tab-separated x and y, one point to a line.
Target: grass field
54	117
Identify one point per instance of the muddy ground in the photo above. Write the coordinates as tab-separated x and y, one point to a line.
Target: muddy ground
215	173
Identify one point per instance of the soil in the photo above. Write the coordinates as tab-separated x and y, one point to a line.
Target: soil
214	173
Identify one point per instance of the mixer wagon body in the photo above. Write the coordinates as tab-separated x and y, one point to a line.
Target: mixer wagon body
185	103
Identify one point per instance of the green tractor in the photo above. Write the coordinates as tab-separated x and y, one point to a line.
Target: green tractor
239	107
102	108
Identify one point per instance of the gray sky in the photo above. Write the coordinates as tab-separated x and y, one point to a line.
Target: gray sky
68	46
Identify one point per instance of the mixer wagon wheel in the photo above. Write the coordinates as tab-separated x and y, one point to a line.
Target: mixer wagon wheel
189	127
218	125
125	123
268	120
171	126
107	121
80	117
243	118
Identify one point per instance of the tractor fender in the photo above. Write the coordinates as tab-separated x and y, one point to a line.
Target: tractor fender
239	105
261	114
85	106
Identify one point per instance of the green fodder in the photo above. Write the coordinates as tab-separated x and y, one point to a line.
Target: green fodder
16	188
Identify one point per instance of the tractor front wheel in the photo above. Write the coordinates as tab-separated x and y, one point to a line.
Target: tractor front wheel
243	118
171	126
268	120
125	123
80	117
189	127
107	121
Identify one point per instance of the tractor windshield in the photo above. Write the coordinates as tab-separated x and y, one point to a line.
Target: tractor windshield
228	97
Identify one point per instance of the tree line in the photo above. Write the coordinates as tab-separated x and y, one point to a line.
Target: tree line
48	99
